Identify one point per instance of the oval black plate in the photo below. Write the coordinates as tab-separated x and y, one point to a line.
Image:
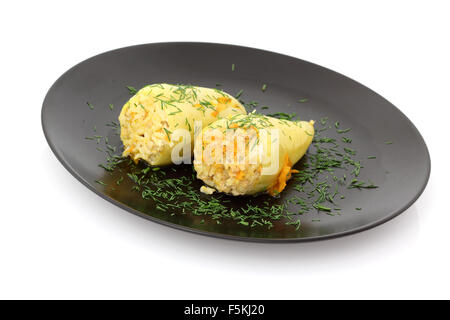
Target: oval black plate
401	169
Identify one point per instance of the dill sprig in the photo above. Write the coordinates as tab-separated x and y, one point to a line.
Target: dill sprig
283	115
131	90
264	87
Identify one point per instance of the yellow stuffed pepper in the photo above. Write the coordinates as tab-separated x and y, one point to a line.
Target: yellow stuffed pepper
225	156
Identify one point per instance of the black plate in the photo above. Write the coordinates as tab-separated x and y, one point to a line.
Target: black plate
401	169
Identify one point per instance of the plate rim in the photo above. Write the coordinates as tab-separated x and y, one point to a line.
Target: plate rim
369	226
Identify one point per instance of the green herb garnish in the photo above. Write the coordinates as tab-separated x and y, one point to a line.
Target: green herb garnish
283	115
131	90
264	87
343	130
168	133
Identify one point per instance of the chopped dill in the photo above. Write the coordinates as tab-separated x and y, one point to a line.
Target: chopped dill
283	115
356	184
321	207
343	130
101	182
346	140
264	87
168	133
131	90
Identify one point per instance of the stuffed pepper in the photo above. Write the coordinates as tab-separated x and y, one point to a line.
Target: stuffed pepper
250	154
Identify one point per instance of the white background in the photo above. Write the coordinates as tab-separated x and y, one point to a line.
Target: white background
60	240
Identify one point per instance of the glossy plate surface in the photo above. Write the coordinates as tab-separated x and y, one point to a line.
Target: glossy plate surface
401	169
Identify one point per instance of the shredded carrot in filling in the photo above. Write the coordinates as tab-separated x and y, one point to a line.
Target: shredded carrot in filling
223	100
240	175
218	109
284	175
